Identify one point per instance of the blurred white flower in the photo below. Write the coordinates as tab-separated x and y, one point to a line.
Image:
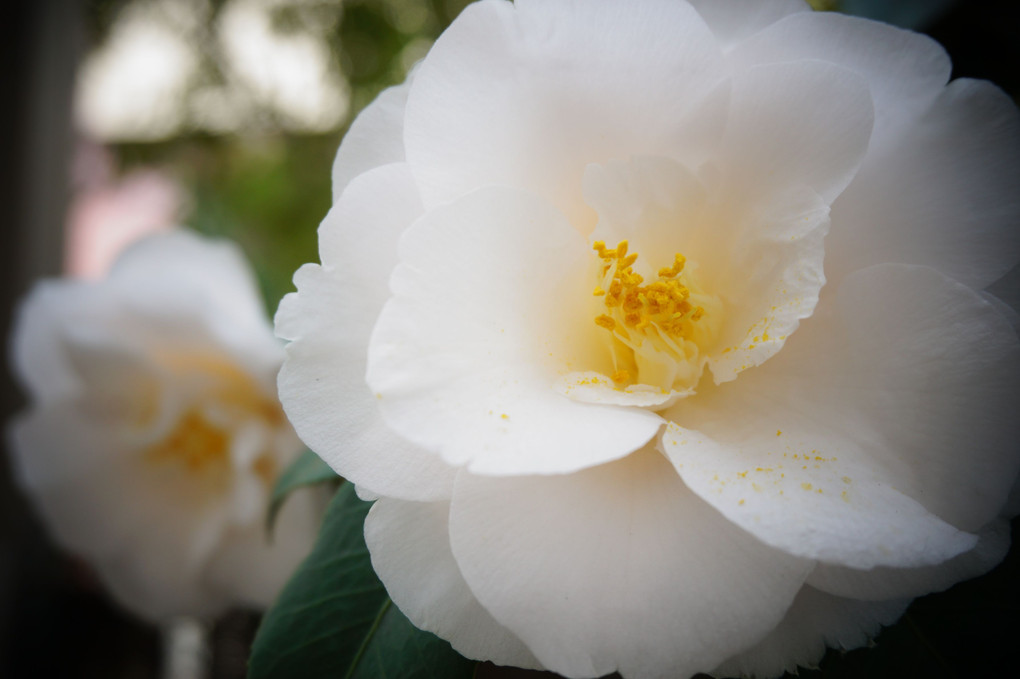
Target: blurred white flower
154	433
615	416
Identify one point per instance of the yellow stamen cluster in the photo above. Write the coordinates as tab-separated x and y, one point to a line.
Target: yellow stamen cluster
223	399
659	330
662	306
194	442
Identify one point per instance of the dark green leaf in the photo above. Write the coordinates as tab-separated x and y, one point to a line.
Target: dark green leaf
335	620
307	470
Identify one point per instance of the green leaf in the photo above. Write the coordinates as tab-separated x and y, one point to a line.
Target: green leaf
335	620
307	470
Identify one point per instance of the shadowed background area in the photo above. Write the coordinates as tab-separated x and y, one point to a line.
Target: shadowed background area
123	117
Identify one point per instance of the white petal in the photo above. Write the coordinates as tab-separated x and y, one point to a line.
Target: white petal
593	387
466	126
410	546
251	567
905	71
732	21
939	368
147	530
771	281
906	385
329	320
118	380
808	493
38	352
187	291
880	584
375	137
40	441
793	125
815	621
489	310
942	193
617	567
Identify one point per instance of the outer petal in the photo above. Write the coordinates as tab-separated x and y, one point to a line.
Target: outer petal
230	568
793	125
815	621
410	545
487	108
906	386
732	21
374	139
953	429
905	71
795	493
880	584
148	557
617	567
213	297
329	320
38	355
941	194
489	310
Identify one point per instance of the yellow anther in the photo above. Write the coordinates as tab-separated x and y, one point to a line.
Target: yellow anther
621	376
605	321
598	291
679	261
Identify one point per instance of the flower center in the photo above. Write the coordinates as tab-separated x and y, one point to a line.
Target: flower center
196	443
659	331
223	399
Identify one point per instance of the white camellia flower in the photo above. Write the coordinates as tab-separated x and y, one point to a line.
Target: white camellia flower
154	433
657	331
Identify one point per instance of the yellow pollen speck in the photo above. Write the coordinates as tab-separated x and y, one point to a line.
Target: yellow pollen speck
742	475
806	486
846	479
621	376
598	292
845	496
741	502
505	416
779	432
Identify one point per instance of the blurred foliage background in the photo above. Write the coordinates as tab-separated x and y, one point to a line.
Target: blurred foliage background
237	108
